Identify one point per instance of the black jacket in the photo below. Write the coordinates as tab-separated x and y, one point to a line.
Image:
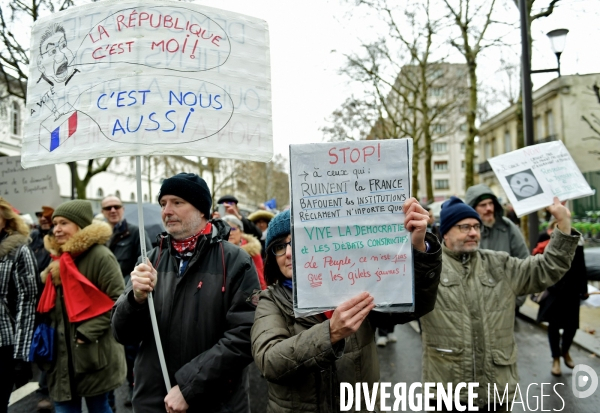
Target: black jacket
125	244
204	318
42	257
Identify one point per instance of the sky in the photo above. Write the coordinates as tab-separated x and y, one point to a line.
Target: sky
307	86
309	37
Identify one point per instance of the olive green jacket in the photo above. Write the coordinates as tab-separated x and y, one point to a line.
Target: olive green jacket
468	337
99	365
304	370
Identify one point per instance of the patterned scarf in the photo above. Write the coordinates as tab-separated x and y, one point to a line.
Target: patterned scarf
188	245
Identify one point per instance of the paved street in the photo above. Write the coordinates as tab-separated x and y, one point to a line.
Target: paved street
401	362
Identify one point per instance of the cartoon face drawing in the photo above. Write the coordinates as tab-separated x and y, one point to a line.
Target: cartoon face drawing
55	57
524	184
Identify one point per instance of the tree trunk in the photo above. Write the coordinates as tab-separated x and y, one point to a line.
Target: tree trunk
471	129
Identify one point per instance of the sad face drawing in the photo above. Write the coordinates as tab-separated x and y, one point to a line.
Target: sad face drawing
524	185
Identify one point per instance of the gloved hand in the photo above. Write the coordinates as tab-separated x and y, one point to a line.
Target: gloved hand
22	373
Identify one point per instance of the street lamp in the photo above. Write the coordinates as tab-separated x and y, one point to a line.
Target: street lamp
558	38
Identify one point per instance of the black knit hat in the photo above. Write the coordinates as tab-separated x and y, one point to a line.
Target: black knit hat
453	211
77	211
190	187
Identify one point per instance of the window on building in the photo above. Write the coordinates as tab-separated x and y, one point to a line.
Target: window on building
438	128
493	146
442	184
462	165
463	127
550	124
440	166
462	146
118	193
145	197
507	142
539	128
100	193
436	91
15	119
487	148
462	109
132	197
440	147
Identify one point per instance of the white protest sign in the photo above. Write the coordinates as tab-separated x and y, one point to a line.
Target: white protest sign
119	78
348	224
533	176
28	189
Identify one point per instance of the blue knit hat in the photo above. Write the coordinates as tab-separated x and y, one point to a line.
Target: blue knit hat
279	226
453	211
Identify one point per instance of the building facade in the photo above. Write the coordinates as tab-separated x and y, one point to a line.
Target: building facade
565	109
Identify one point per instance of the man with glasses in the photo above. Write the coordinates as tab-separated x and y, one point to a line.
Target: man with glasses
202	287
125	245
469	337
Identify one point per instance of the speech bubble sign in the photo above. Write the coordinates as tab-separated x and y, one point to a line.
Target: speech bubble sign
122	78
163	37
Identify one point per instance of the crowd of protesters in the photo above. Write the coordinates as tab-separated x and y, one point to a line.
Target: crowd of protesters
222	289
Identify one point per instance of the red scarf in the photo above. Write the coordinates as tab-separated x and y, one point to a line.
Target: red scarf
189	244
83	300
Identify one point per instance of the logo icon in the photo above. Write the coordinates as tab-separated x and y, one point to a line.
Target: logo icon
582	376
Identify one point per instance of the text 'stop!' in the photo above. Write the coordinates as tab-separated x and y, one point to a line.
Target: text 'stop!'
119	78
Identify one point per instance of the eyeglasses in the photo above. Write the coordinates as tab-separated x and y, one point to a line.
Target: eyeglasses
108	208
466	228
233	229
280	248
52	49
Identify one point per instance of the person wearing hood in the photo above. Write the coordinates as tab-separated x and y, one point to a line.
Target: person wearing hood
498	233
18	291
81	285
201	287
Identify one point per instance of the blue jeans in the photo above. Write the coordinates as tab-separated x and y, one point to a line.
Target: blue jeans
96	404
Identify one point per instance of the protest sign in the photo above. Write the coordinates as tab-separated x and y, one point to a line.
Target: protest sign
119	78
533	176
348	224
28	189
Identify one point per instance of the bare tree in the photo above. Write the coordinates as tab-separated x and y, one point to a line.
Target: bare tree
260	182
471	20
406	81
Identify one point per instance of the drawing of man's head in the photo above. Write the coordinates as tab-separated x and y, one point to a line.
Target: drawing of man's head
55	56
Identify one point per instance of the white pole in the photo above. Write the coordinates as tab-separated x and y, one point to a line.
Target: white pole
161	355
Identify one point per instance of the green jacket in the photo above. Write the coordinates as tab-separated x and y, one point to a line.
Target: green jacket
295	355
96	367
468	337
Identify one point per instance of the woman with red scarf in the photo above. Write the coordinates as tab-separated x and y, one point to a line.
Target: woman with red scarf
81	284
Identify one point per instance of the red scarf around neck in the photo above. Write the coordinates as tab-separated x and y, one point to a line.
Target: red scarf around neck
189	244
83	300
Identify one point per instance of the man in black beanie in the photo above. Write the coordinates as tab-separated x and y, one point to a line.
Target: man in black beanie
200	287
468	337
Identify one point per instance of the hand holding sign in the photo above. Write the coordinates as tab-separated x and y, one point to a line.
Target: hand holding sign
349	315
562	215
416	222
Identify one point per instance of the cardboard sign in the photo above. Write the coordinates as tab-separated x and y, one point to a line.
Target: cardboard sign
28	189
348	225
533	176
119	78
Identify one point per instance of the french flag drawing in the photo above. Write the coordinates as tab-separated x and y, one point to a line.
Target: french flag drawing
63	132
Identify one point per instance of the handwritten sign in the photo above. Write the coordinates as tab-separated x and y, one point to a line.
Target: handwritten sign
533	176
27	190
148	78
348	224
